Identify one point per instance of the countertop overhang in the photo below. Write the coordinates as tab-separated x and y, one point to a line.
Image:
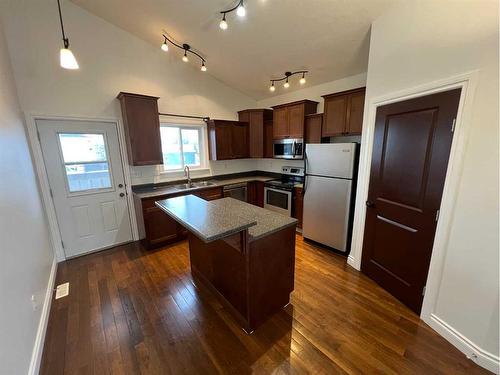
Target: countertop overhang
221	218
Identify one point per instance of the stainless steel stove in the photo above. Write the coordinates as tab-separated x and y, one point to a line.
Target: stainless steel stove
278	193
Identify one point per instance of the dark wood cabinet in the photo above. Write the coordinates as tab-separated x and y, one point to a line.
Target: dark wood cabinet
313	126
298	205
280	122
142	128
289	119
228	139
159	228
343	113
268	139
256	129
255	193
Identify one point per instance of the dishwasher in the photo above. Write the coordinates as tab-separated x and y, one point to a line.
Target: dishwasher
236	191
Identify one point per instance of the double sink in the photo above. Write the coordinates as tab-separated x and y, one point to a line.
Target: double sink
194	185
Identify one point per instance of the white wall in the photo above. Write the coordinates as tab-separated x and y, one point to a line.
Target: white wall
419	42
25	250
111	60
314	92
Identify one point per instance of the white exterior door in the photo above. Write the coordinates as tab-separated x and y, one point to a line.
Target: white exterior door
85	173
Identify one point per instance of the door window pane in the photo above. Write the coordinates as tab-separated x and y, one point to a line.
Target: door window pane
191	146
85	161
77	147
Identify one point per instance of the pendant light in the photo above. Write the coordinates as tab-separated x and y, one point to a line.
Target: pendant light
66	57
164	46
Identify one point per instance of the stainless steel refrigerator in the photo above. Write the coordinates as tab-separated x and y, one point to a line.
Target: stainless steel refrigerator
329	178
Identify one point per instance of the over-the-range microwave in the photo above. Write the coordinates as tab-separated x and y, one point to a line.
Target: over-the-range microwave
288	148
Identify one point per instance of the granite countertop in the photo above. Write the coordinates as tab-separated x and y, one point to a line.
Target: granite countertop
156	191
220	218
268	221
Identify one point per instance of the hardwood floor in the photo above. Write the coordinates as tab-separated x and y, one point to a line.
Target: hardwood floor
136	311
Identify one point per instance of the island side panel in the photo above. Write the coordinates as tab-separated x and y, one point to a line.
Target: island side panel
271	274
221	267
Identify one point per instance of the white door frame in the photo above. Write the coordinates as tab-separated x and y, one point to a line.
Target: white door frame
467	82
39	163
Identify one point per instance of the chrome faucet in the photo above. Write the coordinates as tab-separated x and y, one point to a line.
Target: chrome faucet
187	174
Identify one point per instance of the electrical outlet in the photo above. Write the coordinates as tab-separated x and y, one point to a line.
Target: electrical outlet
62	290
34	303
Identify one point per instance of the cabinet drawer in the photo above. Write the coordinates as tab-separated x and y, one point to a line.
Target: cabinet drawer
209	194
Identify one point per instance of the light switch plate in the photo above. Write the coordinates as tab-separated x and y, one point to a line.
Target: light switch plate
62	290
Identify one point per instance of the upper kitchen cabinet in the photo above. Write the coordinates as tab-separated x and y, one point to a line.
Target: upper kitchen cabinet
343	113
257	137
289	119
228	139
314	123
142	128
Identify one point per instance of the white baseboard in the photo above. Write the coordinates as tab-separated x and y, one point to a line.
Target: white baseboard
462	343
36	356
352	262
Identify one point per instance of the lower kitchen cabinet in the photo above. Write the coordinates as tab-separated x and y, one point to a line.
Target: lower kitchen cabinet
255	193
298	205
159	228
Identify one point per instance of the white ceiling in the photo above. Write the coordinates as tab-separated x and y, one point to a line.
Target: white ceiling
330	38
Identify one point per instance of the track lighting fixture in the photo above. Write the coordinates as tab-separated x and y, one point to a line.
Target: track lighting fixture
164	46
240	11
66	57
286	85
186	48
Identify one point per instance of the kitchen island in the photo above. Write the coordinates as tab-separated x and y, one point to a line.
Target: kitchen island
243	254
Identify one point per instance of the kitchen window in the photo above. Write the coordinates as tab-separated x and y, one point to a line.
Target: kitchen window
183	145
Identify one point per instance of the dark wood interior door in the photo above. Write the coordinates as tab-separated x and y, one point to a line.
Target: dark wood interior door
410	156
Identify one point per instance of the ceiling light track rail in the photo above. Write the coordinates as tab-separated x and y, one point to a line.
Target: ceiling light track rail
186	48
240	11
286	77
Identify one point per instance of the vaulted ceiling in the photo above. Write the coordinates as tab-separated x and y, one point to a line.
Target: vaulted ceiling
330	38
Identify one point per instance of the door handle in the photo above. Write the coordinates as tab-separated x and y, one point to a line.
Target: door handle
122	195
120	185
370	204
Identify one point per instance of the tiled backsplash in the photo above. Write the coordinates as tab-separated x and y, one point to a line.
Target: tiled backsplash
155	174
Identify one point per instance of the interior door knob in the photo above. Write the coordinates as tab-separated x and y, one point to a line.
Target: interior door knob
120	185
370	204
122	194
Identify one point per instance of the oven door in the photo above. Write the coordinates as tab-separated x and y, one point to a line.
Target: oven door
278	200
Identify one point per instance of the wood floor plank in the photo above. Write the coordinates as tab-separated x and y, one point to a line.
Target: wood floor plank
133	311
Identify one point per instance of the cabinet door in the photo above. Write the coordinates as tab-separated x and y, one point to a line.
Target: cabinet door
355	113
296	121
268	139
239	144
259	193
220	133
160	228
334	122
256	134
298	205
313	128
252	192
142	128
280	123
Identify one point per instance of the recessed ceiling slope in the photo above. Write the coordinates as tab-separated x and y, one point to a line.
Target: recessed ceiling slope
330	38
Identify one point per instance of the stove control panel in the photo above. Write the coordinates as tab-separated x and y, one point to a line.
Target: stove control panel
293	171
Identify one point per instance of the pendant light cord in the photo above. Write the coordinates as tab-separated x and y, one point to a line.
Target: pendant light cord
65	40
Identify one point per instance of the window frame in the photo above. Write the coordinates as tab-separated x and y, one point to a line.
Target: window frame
202	139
